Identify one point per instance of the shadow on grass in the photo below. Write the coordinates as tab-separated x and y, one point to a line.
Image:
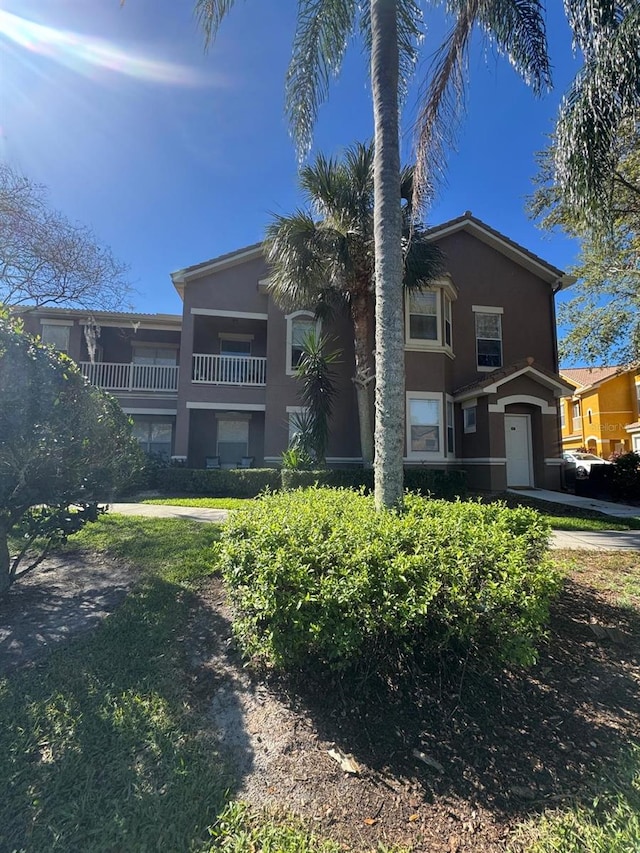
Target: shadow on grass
101	746
512	741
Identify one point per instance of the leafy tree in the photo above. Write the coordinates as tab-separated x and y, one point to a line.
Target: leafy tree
603	317
323	257
47	260
391	32
63	445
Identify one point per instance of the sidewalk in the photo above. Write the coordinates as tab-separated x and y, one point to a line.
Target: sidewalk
605	507
613	540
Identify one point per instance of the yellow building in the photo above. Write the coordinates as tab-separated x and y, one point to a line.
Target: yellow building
603	416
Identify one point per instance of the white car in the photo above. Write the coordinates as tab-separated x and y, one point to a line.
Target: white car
583	462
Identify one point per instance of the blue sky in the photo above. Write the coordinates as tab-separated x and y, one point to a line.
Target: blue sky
174	156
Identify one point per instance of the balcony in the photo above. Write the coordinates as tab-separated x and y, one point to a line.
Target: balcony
576	422
112	376
229	369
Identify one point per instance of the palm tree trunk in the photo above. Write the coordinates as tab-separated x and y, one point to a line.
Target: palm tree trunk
362	317
5	562
389	431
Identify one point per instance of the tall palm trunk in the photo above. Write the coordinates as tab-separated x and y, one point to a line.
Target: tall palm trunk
5	563
362	318
389	432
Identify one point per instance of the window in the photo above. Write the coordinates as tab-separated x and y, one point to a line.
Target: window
447	322
233	441
563	419
423	316
470	416
489	340
57	335
235	346
451	435
575	414
153	436
638	396
154	355
299	325
424	423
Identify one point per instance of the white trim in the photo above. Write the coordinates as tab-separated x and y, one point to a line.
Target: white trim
289	369
523	398
470	403
449	399
297	410
420	344
595	438
487	309
229	407
553	461
240	315
424	455
133	411
134	325
45	321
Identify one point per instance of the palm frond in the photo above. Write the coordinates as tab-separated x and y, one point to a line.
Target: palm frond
322	33
424	262
517	28
210	14
604	95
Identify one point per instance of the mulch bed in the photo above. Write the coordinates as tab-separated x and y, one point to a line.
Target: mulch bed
452	758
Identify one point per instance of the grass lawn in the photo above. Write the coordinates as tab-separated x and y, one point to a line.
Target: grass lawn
204	503
102	745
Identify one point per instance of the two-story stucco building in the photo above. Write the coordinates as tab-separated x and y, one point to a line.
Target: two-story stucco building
603	414
218	382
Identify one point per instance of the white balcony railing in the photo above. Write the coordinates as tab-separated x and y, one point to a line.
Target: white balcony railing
576	424
131	377
229	369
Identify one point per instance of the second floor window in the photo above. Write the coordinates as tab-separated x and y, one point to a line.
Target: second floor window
57	335
154	355
489	340
423	316
235	347
300	329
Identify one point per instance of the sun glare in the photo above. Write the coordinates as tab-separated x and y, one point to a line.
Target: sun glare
83	53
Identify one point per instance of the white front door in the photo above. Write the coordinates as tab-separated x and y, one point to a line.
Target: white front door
517	439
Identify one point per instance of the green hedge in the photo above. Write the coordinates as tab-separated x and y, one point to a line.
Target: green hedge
318	576
426	481
221	483
249	482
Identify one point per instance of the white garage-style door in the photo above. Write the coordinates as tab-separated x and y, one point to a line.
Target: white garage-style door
517	439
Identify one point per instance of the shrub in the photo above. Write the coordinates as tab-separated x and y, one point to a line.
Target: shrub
625	477
439	484
220	483
319	576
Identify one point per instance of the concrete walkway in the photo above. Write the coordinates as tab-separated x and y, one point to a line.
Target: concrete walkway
605	507
194	513
613	540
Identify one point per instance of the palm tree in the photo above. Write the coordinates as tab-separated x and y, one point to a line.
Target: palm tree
391	30
604	95
323	258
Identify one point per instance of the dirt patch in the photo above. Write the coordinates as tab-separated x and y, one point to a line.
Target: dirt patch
66	595
452	759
